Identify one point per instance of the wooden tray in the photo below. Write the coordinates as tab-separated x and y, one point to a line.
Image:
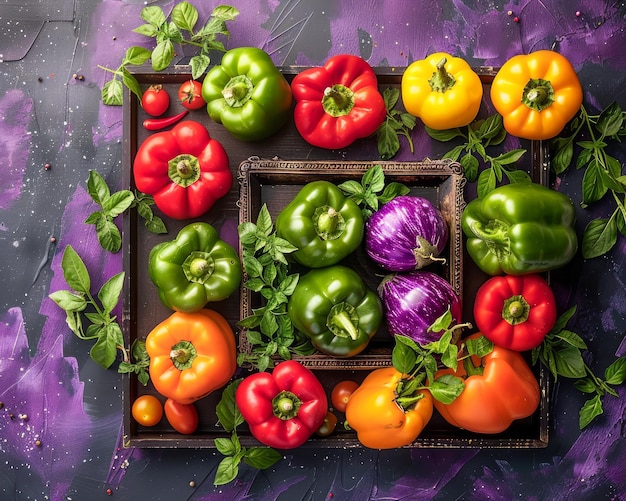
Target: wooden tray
285	161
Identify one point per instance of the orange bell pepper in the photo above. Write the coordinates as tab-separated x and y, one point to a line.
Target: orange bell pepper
536	94
191	355
499	388
380	421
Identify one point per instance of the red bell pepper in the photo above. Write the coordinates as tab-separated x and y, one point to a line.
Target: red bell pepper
338	103
184	169
515	312
284	408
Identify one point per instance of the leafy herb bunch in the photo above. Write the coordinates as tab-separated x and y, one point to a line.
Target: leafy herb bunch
177	29
590	136
477	137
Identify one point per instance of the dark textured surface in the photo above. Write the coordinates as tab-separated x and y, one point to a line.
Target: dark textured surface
74	407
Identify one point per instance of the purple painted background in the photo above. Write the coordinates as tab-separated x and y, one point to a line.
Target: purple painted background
68	446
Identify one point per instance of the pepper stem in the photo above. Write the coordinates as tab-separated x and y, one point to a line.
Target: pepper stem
343	321
538	94
441	81
238	91
285	405
328	222
495	235
338	100
471	369
184	170
198	267
183	354
515	310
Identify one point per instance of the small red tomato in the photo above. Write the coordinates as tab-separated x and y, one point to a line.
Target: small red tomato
147	410
341	394
190	95
328	426
155	100
182	417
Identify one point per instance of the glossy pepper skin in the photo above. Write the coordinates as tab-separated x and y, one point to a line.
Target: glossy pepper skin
184	169
284	408
194	268
537	94
247	94
191	355
519	229
515	312
378	419
499	389
336	310
337	103
444	91
322	223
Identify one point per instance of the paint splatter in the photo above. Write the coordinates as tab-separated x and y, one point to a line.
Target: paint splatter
15	142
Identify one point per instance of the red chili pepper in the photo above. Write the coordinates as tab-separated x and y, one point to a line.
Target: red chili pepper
284	408
184	169
161	123
338	103
515	312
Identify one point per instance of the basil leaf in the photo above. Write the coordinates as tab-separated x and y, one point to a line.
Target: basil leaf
74	271
227	470
443	135
562	155
97	188
69	301
227	410
199	64
117	203
589	411
403	358
109	294
108	234
104	351
261	457
599	236
136	56
611	120
470	166
113	92
162	55
185	16
615	373
153	15
225	12
446	388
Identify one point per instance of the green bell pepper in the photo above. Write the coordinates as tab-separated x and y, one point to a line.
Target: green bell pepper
194	268
520	228
247	94
336	310
322	223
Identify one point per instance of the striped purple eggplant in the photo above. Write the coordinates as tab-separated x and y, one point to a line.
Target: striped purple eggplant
405	234
414	300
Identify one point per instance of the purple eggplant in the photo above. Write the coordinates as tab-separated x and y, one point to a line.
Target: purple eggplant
414	300
406	234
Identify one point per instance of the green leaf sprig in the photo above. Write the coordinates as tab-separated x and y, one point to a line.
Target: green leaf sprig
397	123
478	136
180	28
561	352
269	329
90	318
138	363
230	417
114	204
372	192
592	134
419	363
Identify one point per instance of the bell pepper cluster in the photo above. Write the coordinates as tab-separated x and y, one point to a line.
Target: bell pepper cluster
515	234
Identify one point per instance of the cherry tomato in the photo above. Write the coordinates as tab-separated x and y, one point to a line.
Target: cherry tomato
190	95
147	410
328	426
182	417
155	100
341	394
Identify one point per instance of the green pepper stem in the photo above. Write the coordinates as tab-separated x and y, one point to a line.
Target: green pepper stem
285	405
515	310
338	100
471	369
538	94
344	321
183	354
441	80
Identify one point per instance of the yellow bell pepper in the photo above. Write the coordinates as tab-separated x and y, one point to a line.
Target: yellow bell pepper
536	94
443	91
